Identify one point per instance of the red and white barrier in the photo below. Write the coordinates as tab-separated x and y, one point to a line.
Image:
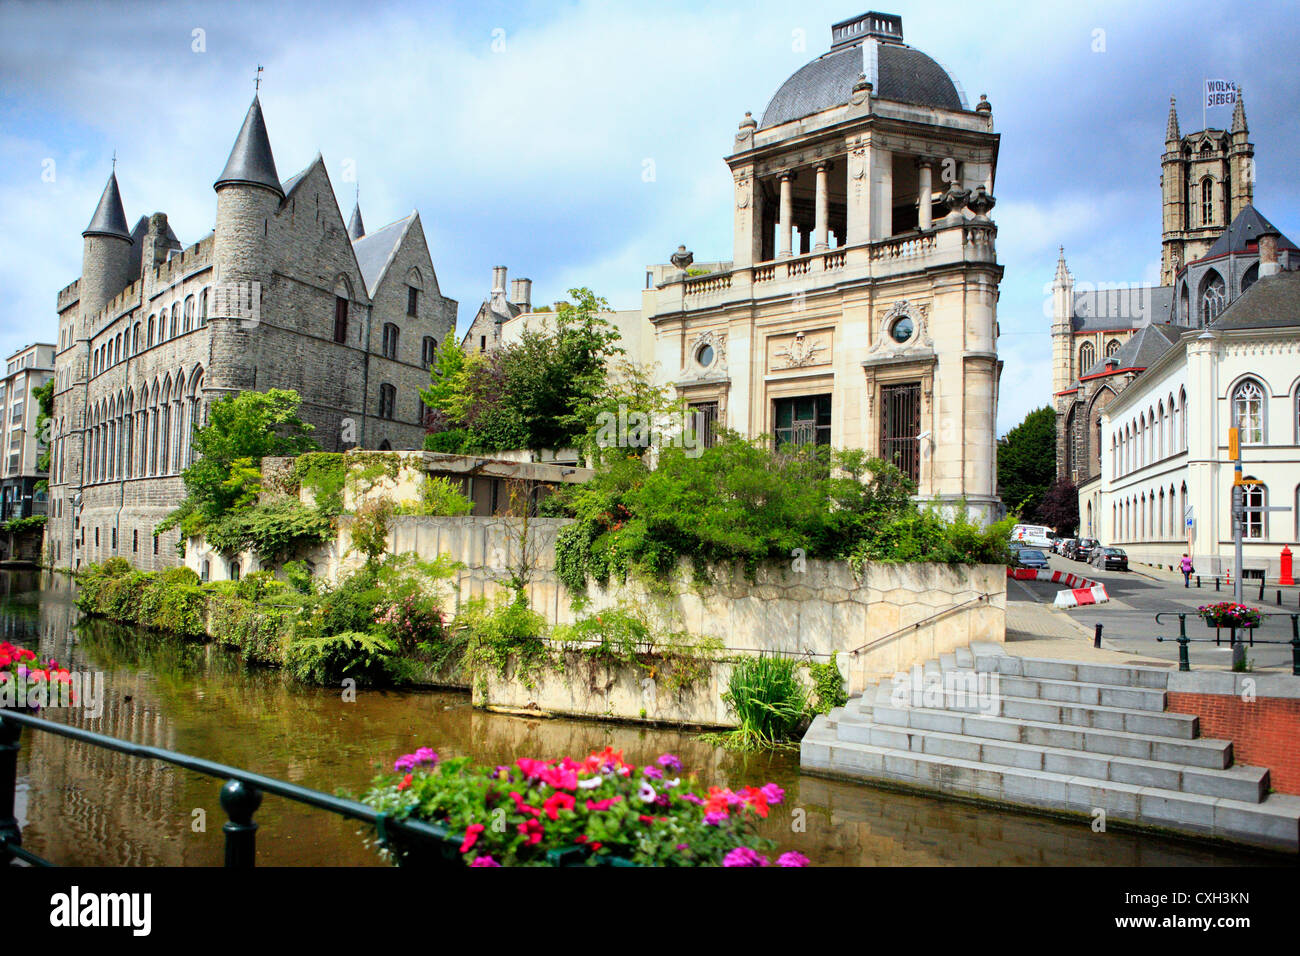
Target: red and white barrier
1081	590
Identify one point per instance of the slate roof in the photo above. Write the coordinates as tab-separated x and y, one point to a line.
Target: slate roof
250	159
898	72
375	251
1272	302
1100	309
1243	230
1142	350
109	218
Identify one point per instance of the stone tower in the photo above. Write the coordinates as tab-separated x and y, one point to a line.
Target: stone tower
248	197
1063	371
1206	178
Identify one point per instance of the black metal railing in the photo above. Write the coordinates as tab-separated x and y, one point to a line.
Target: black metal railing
979	599
1184	661
413	842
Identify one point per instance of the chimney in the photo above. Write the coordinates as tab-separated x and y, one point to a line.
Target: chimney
521	293
1268	254
156	245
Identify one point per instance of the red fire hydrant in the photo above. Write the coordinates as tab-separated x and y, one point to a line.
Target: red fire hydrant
1286	577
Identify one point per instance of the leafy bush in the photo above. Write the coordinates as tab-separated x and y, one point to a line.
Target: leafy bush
828	686
439	495
273	530
261	633
369	659
498	634
21	525
369	531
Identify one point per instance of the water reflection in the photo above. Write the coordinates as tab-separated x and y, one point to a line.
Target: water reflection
82	805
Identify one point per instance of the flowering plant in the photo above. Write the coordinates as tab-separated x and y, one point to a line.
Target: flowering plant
1230	614
411	621
27	683
601	807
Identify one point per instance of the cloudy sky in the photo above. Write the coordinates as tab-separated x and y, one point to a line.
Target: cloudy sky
577	142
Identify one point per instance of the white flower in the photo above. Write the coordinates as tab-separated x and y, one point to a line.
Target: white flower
590	783
646	793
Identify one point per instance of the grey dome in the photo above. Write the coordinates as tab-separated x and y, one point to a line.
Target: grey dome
899	72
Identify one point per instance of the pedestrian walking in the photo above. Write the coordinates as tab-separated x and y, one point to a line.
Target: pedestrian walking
1186	565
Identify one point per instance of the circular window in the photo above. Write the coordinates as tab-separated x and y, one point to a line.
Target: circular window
704	355
901	330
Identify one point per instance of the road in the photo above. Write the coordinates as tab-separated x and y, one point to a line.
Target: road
1128	620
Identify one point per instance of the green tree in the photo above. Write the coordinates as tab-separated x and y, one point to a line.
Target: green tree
44	395
1027	463
241	430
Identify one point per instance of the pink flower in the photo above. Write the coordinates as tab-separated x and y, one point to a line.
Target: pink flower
602	804
471	837
792	859
484	861
744	856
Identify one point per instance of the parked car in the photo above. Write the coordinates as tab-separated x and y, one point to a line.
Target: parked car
1110	559
1063	546
1029	558
1083	549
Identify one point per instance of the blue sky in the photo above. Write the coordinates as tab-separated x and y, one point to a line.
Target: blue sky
521	131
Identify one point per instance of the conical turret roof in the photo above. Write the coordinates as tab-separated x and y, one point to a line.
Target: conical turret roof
109	218
1172	135
251	162
356	228
1239	114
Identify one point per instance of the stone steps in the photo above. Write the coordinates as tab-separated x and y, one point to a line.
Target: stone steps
1052	735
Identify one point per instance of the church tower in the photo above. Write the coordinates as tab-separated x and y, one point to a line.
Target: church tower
1206	178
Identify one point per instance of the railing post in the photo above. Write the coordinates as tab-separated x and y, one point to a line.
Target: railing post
10	835
1295	644
1184	662
240	801
1096	637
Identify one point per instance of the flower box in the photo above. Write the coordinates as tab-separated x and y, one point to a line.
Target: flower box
1230	614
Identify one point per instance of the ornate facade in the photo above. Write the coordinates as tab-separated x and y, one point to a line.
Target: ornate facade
859	308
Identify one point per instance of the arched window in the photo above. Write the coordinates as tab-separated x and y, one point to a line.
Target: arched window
1255	523
149	339
1112	347
1207	201
1087	357
428	351
1248	279
387	401
1248	411
390	340
203	308
175	320
189	313
1182	418
1213	297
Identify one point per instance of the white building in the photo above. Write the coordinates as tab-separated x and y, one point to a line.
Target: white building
25	370
1164	438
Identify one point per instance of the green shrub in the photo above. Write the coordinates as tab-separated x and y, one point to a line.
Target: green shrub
369	659
322	473
120	597
299	577
439	495
262	634
273	530
828	686
495	635
175	607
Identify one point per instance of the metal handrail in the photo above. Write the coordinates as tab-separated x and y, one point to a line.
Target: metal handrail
917	624
240	797
1184	661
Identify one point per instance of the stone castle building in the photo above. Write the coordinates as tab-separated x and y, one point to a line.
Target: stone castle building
281	294
1104	335
859	308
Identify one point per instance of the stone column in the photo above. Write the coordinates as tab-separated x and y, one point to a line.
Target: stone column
822	227
923	192
787	216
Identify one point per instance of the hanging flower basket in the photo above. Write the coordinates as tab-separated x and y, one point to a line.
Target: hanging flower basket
1230	614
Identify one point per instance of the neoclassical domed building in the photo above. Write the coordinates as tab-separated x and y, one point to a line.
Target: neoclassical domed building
859	308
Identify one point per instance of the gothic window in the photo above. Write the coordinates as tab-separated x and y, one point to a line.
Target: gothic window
412	301
390	340
189	314
1087	357
1112	347
387	401
1248	411
1213	297
340	319
175	318
1182	418
149	339
1250	276
1255	523
203	308
1207	201
428	351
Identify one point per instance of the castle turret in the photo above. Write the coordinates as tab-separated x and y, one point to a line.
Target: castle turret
1241	161
106	254
248	198
356	228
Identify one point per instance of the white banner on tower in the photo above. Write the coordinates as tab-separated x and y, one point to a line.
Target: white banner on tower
1220	93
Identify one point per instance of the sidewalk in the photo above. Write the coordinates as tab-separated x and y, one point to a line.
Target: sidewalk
1036	630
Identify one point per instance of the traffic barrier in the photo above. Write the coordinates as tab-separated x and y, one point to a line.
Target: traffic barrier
1081	590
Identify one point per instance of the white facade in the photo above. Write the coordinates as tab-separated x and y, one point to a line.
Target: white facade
1165	451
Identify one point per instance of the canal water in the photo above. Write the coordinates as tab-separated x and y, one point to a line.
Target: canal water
81	805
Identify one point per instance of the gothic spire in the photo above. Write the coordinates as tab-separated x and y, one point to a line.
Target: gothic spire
1062	273
1239	114
109	218
251	162
1172	134
356	228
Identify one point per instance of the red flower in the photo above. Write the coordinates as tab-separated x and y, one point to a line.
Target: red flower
471	837
406	782
523	807
602	804
533	830
556	802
